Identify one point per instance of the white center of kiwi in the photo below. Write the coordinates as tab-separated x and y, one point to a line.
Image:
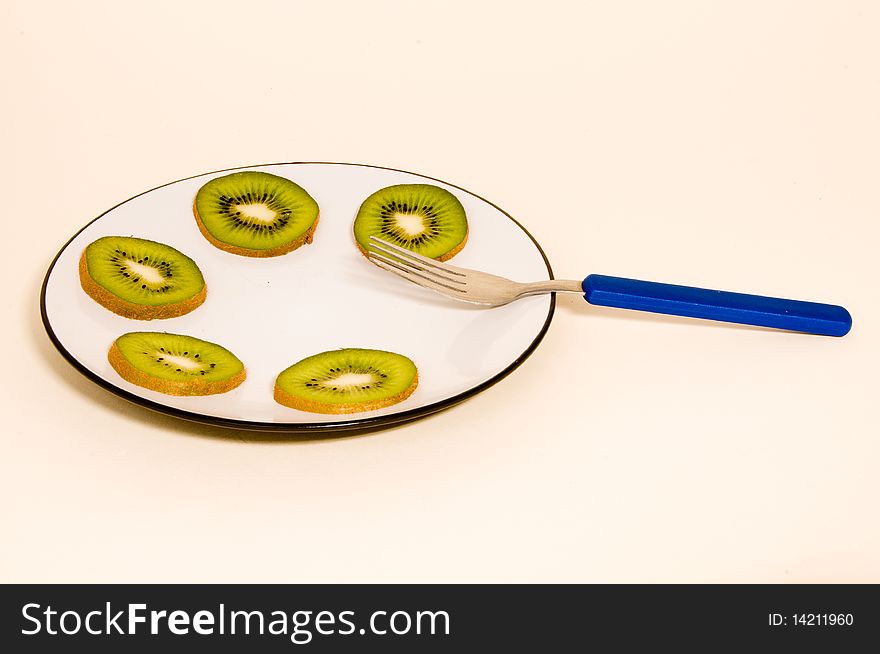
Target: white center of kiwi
350	379
145	272
258	212
184	363
412	224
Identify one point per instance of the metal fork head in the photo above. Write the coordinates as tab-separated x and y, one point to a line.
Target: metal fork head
457	283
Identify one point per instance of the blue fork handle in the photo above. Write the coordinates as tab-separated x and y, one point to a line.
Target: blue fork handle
793	315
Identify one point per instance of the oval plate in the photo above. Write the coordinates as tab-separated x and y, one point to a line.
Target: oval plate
324	296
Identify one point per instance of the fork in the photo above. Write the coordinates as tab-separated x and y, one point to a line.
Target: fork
482	288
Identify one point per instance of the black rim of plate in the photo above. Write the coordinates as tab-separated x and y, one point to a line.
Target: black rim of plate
352	424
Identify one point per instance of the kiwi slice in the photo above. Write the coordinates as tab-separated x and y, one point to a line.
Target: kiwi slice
423	218
347	381
174	364
141	279
255	214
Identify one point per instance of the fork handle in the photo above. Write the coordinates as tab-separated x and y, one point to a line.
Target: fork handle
793	315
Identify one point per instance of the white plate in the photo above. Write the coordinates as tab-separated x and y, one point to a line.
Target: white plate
324	296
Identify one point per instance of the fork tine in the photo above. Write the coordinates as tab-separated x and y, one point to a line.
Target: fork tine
437	274
407	266
403	253
414	276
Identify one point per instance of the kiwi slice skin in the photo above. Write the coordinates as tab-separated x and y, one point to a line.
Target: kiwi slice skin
350	380
175	364
176	285
423	218
288	214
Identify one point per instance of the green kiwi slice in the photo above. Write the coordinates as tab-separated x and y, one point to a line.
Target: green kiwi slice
423	218
175	364
347	381
255	214
141	279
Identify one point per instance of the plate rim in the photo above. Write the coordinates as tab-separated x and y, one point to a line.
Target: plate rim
348	425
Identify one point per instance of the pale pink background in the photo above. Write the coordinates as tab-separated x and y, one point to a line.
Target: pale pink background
730	145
